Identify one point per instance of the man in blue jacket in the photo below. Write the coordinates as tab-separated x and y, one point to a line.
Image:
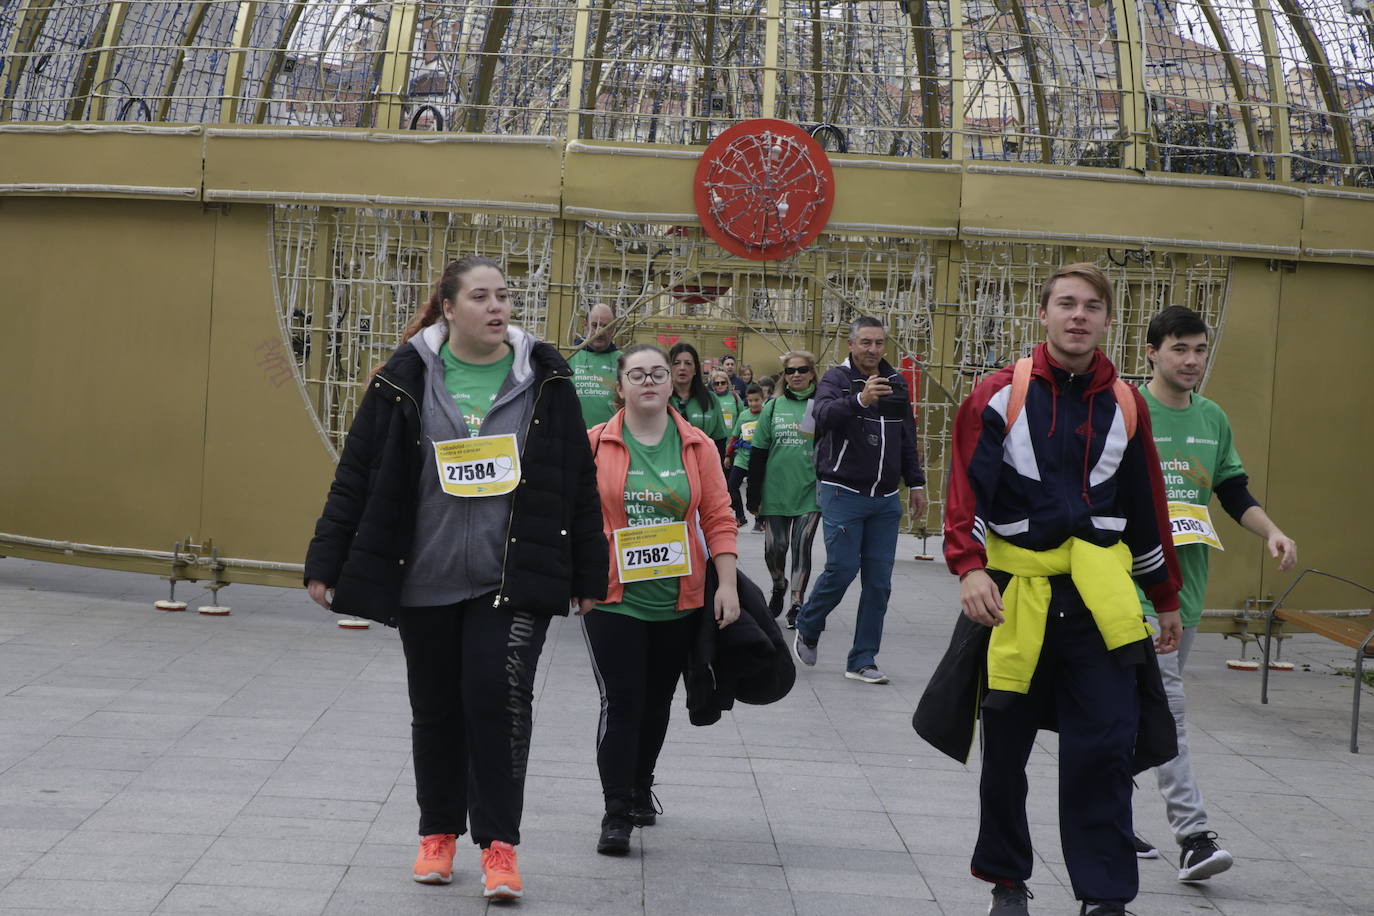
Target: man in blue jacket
865	443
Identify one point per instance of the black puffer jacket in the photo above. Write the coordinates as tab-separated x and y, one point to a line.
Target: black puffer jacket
555	549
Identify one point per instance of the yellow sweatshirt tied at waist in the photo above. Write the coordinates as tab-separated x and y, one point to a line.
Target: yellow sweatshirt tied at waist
1102	576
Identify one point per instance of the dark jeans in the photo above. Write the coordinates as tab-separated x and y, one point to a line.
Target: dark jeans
637	665
470	669
1095	701
860	539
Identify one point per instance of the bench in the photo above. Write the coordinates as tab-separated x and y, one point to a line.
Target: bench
1355	632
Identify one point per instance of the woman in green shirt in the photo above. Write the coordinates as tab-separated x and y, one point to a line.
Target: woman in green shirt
663	507
782	477
726	397
691	398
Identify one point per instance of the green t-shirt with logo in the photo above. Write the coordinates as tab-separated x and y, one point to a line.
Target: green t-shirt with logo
594	380
1196	452
656	491
706	419
745	426
786	430
474	387
729	408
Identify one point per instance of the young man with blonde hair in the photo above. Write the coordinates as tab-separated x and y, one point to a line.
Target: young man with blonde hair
1055	506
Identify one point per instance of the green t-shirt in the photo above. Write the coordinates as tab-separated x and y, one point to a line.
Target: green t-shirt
474	387
729	409
594	379
789	488
745	426
656	491
708	420
1196	453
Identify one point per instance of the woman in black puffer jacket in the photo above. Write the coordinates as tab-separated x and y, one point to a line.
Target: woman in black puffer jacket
464	511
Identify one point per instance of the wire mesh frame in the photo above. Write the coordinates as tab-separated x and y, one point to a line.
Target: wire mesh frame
667	283
348	282
668	72
1000	295
1042	80
491	66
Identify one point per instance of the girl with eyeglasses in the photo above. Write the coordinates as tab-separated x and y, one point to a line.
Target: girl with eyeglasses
664	506
691	398
782	481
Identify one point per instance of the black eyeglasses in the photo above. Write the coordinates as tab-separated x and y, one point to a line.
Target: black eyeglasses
796	370
639	377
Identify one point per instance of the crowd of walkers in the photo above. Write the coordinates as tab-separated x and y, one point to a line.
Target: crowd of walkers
487	485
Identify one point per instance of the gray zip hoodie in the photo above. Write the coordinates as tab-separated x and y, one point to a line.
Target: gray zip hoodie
460	543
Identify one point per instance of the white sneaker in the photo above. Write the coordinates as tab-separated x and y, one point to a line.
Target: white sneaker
869	674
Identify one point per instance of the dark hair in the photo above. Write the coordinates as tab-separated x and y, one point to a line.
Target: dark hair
625	354
863	321
699	389
449	284
1084	271
728	356
1174	321
447	287
752	388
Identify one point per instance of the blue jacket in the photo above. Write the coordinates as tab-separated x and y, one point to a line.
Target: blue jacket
856	447
1065	468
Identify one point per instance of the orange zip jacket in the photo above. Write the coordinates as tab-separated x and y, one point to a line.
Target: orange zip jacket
708	510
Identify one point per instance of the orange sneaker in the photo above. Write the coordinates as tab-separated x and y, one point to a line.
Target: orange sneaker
434	864
498	867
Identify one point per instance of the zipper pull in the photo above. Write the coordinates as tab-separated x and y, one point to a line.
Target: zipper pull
496	602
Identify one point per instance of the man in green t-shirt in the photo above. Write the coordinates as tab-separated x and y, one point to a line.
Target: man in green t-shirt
593	366
1198	459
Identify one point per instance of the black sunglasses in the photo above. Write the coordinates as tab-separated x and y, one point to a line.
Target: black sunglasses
796	370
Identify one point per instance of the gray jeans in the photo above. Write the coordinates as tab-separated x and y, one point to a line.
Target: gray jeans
1182	798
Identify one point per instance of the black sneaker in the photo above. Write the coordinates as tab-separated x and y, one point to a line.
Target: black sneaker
792	613
775	602
1202	857
645	808
1010	901
1103	908
1144	849
615	835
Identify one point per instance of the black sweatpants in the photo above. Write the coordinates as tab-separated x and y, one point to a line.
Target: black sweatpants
637	665
1094	698
470	669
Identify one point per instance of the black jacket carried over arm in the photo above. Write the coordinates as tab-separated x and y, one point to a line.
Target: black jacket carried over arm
555	548
747	661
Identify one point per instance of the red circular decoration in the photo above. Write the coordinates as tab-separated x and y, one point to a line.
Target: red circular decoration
764	189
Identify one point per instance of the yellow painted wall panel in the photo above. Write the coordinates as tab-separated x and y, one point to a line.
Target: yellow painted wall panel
266	468
86	160
617	178
357	167
1242	381
1340	228
903	198
1016	204
106	314
1319	478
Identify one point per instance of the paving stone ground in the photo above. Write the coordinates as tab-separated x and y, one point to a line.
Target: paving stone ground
259	763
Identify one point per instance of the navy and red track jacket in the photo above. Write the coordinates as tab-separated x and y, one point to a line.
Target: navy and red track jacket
1065	469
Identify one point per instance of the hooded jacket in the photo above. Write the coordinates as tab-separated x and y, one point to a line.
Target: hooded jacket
710	520
860	448
552	545
1065	468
